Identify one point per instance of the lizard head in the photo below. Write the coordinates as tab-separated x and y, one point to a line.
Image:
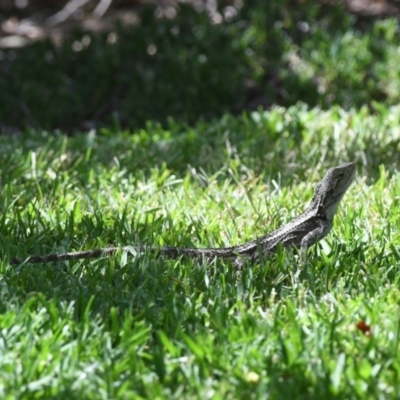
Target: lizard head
331	189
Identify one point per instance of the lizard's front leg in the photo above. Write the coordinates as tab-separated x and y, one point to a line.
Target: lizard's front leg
323	228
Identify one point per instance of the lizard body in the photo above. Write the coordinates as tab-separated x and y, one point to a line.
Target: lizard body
302	232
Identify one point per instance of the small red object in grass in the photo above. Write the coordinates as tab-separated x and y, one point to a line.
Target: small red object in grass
364	328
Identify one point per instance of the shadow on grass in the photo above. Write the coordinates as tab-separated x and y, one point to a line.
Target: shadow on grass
188	69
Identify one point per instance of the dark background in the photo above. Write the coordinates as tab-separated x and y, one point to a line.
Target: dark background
78	64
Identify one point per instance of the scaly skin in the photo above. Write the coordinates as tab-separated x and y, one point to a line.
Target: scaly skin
302	232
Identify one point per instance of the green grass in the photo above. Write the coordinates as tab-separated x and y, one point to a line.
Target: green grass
271	52
157	328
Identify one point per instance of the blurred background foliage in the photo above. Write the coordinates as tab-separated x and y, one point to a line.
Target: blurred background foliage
78	64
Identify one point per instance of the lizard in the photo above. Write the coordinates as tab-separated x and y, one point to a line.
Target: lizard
302	232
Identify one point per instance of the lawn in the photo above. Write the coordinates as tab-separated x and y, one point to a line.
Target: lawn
117	145
144	327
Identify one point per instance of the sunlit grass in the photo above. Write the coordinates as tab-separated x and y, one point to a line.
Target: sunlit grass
125	327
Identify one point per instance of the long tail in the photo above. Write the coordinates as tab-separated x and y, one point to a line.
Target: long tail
67	256
170	252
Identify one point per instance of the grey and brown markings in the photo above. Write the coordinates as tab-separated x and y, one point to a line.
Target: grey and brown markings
302	232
